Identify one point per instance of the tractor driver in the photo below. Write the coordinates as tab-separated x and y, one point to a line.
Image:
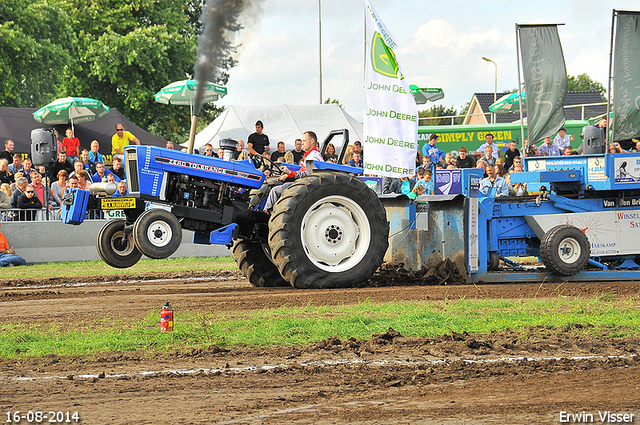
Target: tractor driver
310	144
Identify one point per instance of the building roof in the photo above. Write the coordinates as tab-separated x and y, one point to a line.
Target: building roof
481	102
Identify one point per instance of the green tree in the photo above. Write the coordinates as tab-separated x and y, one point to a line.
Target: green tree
439	111
35	42
584	83
336	101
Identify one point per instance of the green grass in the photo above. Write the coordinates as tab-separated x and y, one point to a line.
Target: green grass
306	325
98	267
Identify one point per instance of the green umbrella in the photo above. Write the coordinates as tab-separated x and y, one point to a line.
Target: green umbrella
183	92
422	95
74	109
507	103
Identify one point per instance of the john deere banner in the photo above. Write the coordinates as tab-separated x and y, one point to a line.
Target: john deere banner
545	79
391	114
626	86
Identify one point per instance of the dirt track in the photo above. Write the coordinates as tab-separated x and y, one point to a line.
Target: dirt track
389	379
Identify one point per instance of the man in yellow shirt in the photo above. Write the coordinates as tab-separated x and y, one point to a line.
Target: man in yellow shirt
120	140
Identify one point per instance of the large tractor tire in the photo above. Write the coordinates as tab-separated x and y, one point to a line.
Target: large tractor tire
328	230
255	264
116	248
565	250
157	233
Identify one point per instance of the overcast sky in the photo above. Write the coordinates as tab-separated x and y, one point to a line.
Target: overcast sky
441	44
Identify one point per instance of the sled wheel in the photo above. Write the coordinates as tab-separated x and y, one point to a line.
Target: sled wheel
565	250
116	248
328	230
255	264
493	261
157	233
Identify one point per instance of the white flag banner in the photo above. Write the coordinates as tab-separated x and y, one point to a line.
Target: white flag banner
391	113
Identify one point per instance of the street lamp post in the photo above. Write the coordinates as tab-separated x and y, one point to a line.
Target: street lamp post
495	89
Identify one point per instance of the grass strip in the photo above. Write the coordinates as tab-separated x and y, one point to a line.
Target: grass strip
306	325
98	267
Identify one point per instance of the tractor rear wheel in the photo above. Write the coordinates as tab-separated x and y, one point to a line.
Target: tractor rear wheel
565	250
328	230
255	264
115	247
157	233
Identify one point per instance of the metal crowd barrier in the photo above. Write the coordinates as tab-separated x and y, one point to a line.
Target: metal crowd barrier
16	214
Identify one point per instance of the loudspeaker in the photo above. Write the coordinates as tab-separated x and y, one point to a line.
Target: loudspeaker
593	142
44	147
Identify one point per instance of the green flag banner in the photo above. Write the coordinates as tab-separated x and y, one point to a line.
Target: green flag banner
626	86
545	79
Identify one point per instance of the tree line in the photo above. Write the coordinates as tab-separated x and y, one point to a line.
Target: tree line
118	51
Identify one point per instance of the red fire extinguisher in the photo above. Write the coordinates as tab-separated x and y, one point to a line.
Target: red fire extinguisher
166	318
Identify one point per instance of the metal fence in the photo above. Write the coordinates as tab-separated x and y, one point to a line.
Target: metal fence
15	214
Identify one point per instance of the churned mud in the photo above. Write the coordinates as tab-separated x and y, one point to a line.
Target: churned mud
386	379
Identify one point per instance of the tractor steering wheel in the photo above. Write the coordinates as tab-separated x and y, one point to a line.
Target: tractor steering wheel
263	163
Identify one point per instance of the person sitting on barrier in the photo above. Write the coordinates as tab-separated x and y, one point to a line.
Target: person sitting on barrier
21	186
417	190
488	156
5	192
8	255
29	201
310	142
84	182
435	153
117	169
493	185
547	148
122	189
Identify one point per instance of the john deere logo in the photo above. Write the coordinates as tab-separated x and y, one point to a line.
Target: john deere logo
382	57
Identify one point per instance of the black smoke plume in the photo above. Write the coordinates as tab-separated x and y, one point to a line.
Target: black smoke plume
220	21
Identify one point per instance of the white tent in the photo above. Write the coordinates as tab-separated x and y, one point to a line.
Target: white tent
281	123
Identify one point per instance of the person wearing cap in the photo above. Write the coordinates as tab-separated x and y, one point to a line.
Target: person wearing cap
562	140
489	142
258	142
431	150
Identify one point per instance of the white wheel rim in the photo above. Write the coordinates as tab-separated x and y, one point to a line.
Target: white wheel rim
159	233
569	250
335	234
128	238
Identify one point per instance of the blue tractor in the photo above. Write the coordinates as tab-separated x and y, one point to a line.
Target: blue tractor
327	230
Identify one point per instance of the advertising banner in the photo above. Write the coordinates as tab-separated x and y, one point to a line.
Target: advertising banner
391	114
545	79
626	85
